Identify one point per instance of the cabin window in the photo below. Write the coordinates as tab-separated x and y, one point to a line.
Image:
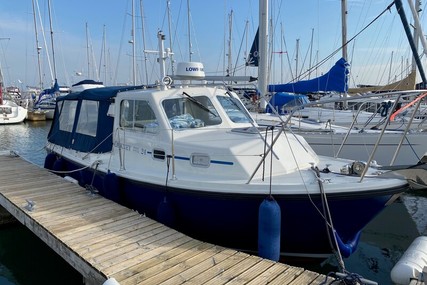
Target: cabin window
67	115
88	118
234	109
5	110
138	115
194	112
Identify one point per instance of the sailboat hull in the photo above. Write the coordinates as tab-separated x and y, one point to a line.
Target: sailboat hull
359	146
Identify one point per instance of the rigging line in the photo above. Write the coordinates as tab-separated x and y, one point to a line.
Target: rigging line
328	216
264	154
111	152
271	160
51	39
95	147
323	61
120	47
303	181
238	54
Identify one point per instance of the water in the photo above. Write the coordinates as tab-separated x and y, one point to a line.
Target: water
24	259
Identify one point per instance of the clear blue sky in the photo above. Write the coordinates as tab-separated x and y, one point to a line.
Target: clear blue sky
370	55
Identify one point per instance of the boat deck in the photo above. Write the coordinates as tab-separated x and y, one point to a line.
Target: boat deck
102	239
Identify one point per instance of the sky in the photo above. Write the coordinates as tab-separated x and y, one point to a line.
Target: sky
91	39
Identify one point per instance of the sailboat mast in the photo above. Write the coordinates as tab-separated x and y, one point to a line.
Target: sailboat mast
103	56
133	45
418	34
51	40
87	52
281	52
1	85
170	37
296	60
38	48
344	28
344	37
44	41
311	54
401	12
263	62
189	30
229	55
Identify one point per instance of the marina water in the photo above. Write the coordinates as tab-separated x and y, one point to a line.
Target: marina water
25	259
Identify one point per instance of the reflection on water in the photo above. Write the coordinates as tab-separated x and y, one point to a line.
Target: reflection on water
416	204
382	243
27	139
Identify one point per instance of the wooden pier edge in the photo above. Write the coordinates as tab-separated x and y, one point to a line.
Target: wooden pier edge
61	226
91	276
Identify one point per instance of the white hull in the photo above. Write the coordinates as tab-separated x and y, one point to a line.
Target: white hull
360	146
11	113
326	139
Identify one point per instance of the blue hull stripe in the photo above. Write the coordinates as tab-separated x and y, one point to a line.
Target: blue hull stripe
212	161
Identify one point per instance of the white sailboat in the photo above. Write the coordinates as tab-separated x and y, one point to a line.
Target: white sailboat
10	111
353	134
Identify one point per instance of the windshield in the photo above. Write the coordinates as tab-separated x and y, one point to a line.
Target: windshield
191	112
234	109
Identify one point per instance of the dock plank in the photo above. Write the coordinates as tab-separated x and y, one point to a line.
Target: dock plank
191	267
157	261
102	239
225	271
109	237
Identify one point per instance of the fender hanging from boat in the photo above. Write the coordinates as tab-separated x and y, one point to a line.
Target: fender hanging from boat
350	247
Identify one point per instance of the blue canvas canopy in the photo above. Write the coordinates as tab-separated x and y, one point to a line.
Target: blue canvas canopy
336	79
97	135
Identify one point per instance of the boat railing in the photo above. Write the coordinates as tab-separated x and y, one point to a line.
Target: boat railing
397	98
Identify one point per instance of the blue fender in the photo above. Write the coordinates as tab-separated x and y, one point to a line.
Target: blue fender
350	247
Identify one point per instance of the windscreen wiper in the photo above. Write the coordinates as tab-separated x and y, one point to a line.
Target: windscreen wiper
195	101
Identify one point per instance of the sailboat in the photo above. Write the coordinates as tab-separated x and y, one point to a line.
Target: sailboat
10	111
352	132
45	101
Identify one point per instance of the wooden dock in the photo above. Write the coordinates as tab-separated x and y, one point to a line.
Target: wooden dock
103	240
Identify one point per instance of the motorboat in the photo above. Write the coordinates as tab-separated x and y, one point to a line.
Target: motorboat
191	156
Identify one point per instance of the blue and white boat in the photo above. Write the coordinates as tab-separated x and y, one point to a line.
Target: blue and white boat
192	157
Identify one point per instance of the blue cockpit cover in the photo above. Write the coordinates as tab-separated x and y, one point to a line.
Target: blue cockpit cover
286	102
103	140
336	79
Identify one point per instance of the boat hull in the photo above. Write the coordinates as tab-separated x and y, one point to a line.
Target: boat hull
231	220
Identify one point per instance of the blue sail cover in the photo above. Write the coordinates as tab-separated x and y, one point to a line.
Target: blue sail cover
47	94
336	79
